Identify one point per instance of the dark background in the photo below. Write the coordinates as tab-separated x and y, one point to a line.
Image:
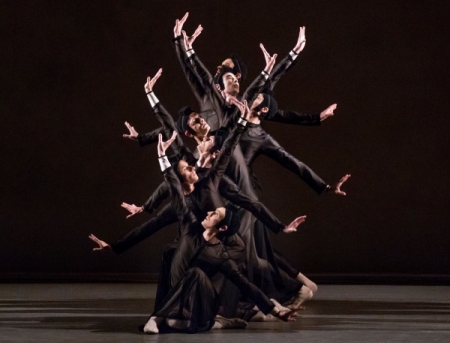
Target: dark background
72	73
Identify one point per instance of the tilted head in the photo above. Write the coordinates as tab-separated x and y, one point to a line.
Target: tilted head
191	123
228	82
185	172
223	220
235	65
212	144
264	105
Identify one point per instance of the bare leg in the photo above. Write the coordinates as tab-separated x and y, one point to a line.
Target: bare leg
307	282
304	294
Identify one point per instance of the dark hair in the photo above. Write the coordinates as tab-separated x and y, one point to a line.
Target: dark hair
219	138
182	122
269	102
232	221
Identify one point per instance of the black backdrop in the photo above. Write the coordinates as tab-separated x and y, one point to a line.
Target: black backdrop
72	73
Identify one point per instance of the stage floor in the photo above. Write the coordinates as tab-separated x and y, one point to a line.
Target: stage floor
113	312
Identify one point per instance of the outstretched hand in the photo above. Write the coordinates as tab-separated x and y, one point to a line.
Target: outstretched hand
101	244
328	112
179	25
270	60
292	227
151	82
133	133
336	189
301	41
188	41
162	146
133	209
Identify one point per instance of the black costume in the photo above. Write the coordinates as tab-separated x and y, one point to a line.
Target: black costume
193	301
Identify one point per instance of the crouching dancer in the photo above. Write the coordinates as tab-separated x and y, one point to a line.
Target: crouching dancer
192	305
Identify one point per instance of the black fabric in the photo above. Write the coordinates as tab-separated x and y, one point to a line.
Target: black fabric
257	142
193	300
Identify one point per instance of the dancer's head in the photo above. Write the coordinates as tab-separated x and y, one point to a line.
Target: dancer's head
223	221
226	81
191	123
235	65
264	105
211	145
185	172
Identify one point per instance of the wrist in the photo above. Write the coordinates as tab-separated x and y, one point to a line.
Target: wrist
293	54
190	52
163	162
152	99
242	121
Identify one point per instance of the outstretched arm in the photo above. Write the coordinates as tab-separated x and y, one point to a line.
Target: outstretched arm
281	68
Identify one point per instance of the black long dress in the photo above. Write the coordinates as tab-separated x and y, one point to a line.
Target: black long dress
193	301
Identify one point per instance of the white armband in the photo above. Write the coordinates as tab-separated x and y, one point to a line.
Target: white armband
265	74
164	163
242	121
152	98
190	52
293	54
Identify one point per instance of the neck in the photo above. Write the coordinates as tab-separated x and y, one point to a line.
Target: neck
188	188
210	236
199	138
254	117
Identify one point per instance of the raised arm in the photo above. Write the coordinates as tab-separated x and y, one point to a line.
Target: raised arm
286	63
230	143
179	44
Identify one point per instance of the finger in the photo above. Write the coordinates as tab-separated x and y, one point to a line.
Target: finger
96	249
264	50
126	136
184	17
130	215
160	138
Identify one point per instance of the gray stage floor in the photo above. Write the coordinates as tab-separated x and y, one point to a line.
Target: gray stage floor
112	313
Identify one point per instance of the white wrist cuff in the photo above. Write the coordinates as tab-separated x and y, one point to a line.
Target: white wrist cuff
242	121
266	75
164	163
153	99
190	52
293	55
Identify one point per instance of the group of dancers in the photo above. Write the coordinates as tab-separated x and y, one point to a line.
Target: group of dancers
221	270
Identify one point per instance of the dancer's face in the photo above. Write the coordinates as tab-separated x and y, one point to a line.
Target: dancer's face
187	172
258	100
198	124
213	218
231	84
206	145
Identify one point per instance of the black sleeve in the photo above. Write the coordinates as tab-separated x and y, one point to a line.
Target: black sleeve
150	137
297	118
280	69
185	216
192	78
230	143
166	217
230	191
272	149
169	126
231	271
159	195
